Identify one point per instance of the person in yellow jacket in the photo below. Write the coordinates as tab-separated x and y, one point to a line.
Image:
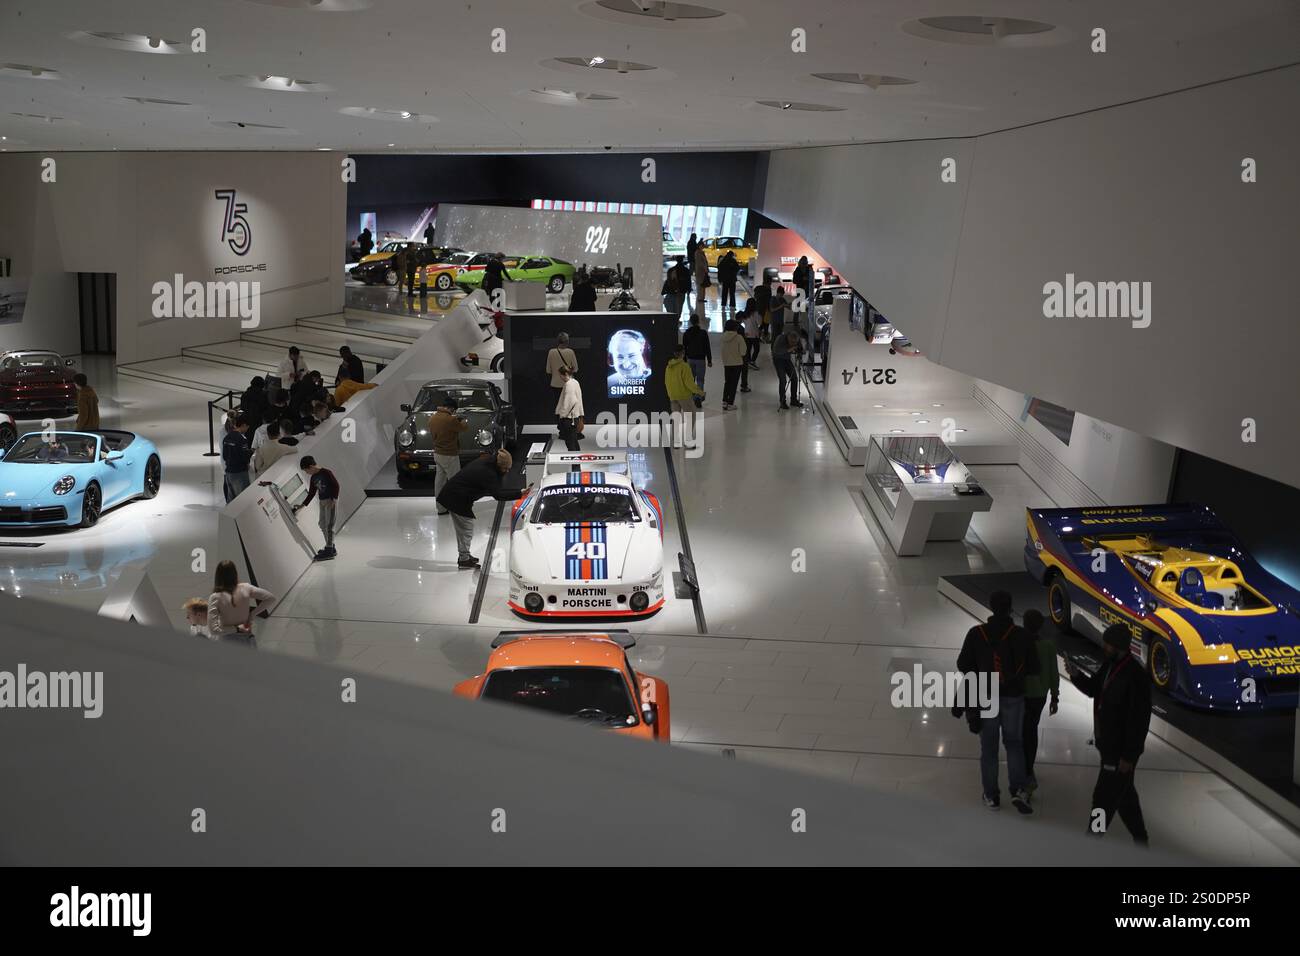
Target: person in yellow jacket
87	405
680	382
347	387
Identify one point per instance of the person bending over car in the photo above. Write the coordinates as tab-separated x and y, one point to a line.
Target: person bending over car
483	478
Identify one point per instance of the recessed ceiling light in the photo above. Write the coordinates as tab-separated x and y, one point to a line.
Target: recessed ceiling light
914	413
252	127
895	431
873	81
26	72
318	6
131	42
600	63
154	101
959	429
279	84
936	404
665	12
397	116
877	406
572	97
44	118
981	30
802	107
923	421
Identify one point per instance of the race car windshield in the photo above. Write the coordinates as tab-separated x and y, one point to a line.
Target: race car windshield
608	503
34	449
467	399
587	693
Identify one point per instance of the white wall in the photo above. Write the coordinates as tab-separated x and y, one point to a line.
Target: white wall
148	216
1149	192
1119	465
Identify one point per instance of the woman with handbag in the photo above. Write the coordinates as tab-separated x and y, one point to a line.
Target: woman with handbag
561	356
569	411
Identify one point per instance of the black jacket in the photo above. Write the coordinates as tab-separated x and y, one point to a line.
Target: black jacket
479	479
356	371
583	298
696	343
236	452
1001	647
727	269
1121	708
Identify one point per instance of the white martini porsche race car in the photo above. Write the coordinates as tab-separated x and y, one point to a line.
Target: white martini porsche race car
586	544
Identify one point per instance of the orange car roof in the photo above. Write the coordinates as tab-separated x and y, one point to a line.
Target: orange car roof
556	650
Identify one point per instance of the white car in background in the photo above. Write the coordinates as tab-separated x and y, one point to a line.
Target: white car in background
586	543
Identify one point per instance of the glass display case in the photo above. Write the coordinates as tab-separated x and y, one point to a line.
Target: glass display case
919	490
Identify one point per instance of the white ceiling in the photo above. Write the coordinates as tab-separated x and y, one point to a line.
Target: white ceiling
433	58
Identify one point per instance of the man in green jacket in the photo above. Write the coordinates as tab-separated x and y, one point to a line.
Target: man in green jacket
1037	687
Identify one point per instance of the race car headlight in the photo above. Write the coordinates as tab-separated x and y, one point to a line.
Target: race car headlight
64	485
639	601
405	438
533	602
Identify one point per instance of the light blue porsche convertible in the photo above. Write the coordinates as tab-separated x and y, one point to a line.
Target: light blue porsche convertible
57	478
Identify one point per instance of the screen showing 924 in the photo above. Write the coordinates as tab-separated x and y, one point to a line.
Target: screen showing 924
630	361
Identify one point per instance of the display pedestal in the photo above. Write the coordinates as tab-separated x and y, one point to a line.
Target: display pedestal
912	485
936	514
523	297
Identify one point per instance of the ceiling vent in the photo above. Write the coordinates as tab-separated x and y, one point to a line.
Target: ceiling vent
661	10
318	6
601	63
27	72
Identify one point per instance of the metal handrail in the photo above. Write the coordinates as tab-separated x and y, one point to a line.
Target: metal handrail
229	398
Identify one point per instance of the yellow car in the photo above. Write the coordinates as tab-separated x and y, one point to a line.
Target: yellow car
719	246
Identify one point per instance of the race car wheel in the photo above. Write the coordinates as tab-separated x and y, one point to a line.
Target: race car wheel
390	277
1160	664
152	476
443	282
556	284
498	362
1058	606
8	435
91	503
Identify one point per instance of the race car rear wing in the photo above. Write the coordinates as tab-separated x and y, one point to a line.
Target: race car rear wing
584	461
620	636
1126	520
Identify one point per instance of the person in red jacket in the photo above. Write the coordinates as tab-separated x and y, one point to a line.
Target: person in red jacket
1121	708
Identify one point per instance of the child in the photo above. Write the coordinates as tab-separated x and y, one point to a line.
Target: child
196	615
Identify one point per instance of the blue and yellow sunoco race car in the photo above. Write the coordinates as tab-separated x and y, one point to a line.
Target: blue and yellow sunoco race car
1212	627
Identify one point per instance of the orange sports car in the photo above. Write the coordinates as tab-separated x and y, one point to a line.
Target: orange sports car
583	675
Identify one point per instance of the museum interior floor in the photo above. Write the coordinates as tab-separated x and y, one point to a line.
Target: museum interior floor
794	667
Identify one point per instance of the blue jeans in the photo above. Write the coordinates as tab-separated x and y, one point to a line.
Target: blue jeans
1010	722
698	367
236	482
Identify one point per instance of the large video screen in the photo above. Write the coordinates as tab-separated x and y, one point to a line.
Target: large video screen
621	361
579	238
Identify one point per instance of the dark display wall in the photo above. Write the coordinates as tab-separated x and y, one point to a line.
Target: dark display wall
1265	514
399	188
621	361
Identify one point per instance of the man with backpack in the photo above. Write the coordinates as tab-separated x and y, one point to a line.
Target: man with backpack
1001	649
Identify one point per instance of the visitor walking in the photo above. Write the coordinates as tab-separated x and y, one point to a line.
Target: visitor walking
733	363
699	353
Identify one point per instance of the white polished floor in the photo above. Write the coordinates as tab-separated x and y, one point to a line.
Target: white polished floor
794	670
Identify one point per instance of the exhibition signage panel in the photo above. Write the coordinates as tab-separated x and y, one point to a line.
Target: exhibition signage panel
621	361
